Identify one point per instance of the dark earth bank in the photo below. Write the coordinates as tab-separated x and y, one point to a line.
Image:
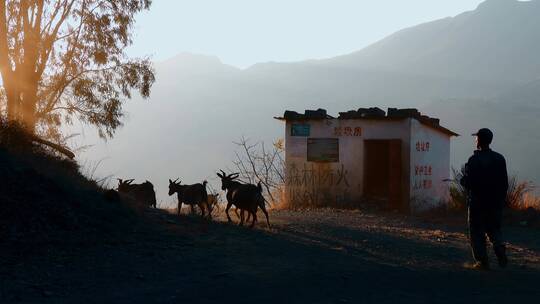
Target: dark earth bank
323	256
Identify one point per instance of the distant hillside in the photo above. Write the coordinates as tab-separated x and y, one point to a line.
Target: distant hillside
497	43
199	105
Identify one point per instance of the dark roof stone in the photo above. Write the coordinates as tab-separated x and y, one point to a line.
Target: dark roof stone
308	114
370	113
362	113
403	113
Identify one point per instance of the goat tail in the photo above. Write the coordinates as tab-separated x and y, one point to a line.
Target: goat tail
259	187
204	183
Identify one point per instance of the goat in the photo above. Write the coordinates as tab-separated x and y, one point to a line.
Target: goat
191	195
143	193
229	184
213	201
249	197
246	197
236	209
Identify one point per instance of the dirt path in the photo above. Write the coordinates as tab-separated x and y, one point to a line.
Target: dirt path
307	257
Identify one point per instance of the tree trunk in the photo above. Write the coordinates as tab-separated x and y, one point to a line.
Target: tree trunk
13	100
28	108
21	95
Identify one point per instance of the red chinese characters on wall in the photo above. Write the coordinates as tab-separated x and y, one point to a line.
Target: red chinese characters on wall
422	146
423	177
423	173
347	131
425	170
423	184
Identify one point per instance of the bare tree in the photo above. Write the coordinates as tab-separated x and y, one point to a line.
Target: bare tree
256	162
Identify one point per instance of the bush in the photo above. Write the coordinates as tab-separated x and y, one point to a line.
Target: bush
530	201
520	195
458	194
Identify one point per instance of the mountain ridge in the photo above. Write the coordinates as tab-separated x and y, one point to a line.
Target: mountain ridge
199	105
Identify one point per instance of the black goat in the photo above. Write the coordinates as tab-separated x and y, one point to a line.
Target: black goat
142	193
229	184
191	195
246	197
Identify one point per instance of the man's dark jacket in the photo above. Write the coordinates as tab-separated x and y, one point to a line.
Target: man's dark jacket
486	179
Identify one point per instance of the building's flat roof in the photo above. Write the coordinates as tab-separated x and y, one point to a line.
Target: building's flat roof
393	114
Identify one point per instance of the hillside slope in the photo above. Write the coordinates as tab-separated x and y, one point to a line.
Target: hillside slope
44	196
199	105
498	43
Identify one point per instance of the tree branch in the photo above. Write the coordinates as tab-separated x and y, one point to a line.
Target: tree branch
4	48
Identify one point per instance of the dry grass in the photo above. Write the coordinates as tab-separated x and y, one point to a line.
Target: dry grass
282	203
520	195
530	201
458	194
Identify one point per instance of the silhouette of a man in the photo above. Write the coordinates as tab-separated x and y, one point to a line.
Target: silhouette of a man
486	181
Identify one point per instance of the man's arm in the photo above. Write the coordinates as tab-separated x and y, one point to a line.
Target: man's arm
465	180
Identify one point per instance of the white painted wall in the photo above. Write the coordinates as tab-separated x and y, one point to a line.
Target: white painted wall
429	167
337	184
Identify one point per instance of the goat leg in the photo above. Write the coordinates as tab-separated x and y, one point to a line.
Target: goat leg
265	214
248	218
254	218
179	207
202	209
229	204
210	209
241	218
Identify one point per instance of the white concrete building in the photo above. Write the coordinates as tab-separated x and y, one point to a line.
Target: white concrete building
400	159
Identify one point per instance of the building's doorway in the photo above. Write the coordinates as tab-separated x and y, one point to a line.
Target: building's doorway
383	171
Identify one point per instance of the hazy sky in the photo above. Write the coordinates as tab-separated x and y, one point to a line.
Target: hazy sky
244	32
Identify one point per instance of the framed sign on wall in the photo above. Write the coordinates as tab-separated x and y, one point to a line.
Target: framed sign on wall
323	150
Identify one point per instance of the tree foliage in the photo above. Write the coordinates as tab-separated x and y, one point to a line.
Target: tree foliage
64	60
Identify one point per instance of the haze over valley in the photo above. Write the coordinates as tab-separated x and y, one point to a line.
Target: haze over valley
478	69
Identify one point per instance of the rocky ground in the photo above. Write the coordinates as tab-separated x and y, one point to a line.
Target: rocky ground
323	256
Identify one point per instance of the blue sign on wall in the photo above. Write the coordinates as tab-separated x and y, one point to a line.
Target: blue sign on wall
300	130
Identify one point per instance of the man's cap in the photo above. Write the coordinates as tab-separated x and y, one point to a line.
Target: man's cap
484	135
